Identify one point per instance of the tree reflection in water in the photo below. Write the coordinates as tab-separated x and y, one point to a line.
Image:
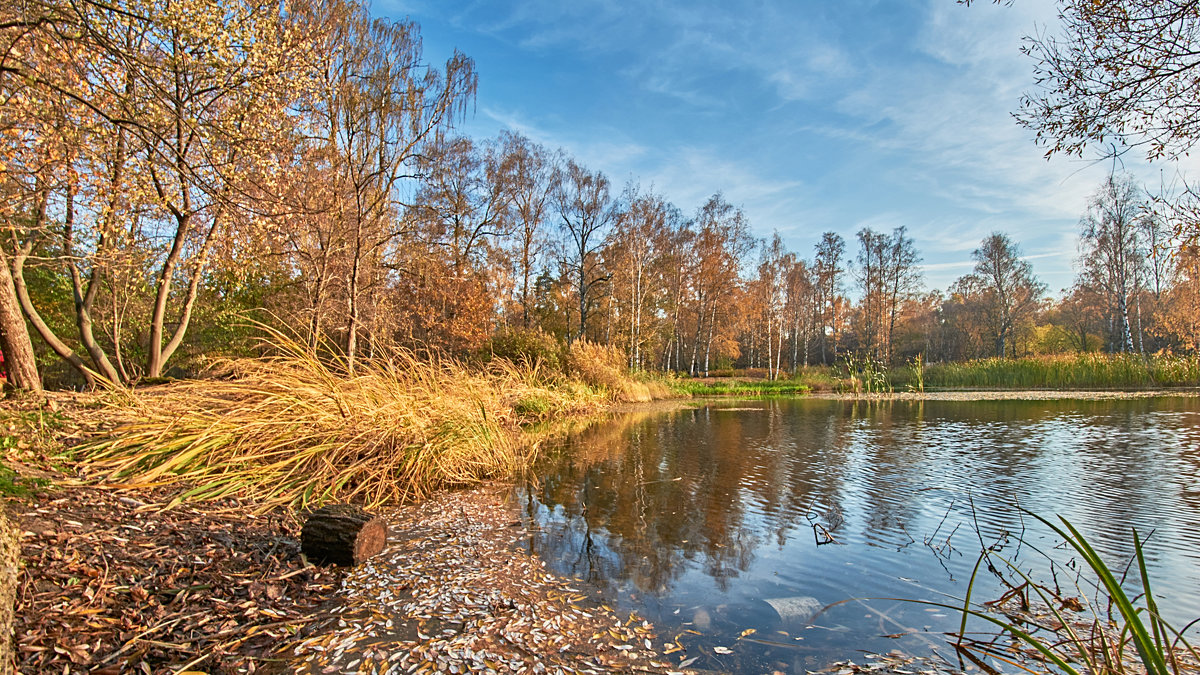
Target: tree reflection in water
687	514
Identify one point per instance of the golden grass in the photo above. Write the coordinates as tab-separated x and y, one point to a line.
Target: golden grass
603	367
294	429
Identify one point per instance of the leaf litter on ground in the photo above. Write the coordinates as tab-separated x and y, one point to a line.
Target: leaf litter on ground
111	583
454	593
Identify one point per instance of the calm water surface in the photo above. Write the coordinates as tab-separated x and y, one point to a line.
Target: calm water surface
740	515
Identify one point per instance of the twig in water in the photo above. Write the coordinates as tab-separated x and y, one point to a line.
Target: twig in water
823	532
939	527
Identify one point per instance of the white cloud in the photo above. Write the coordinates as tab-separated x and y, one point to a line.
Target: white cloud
806	121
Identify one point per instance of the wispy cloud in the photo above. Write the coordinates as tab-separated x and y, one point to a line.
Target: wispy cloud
811	115
605	150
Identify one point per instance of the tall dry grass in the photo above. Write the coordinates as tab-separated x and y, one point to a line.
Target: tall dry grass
296	429
604	368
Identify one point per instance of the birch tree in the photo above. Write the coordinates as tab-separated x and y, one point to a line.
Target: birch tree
1111	257
1009	294
586	211
377	107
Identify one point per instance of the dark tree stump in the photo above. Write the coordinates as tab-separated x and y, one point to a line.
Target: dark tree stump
341	534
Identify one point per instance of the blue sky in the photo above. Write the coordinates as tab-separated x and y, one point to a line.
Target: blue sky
811	116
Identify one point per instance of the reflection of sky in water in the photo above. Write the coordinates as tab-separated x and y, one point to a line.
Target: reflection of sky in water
694	518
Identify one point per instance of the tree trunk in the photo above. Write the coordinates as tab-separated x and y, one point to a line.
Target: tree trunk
342	534
352	313
779	350
44	331
19	360
84	299
708	343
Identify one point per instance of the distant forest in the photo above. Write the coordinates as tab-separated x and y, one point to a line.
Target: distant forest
167	170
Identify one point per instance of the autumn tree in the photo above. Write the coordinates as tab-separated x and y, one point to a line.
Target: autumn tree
379	107
676	267
887	274
1004	288
1081	312
464	199
1180	314
828	272
1112	256
459	218
1121	72
902	280
635	255
870	261
722	238
961	326
1120	75
586	211
799	292
168	113
769	294
530	171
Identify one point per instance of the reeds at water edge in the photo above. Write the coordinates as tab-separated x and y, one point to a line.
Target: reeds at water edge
294	428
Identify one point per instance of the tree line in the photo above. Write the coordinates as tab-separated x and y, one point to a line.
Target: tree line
165	168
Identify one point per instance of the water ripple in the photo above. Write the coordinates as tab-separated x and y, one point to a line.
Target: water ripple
696	518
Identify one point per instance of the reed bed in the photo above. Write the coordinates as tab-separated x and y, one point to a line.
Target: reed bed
296	429
1078	371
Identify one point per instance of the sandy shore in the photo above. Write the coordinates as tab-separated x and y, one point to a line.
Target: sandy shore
669	405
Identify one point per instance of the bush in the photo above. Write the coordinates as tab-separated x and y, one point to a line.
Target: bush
532	347
596	365
602	367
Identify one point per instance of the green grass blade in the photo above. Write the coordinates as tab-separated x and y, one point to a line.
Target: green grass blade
1152	659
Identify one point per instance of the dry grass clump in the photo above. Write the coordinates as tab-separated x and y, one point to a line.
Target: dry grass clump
1119	638
603	367
296	429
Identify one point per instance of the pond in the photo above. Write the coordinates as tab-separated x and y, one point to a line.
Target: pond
796	518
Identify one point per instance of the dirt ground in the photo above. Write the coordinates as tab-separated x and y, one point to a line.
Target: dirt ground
111	583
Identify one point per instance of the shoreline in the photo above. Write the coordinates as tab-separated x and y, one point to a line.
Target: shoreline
110	595
455	591
685	402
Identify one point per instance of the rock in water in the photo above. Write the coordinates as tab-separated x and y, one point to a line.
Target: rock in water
342	534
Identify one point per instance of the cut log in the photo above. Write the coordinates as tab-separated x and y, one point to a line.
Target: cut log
342	534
